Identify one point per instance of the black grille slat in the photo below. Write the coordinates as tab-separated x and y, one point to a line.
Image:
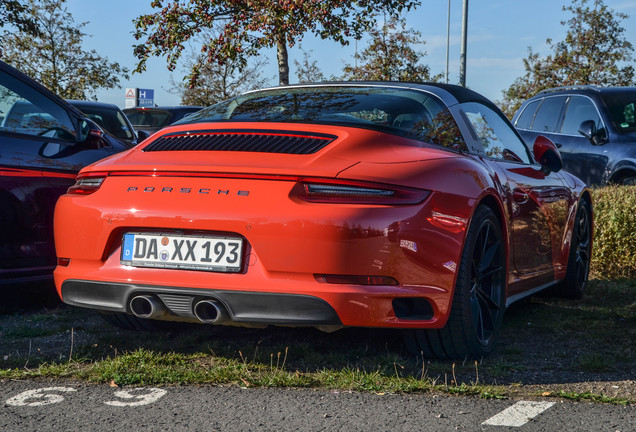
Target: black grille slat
242	142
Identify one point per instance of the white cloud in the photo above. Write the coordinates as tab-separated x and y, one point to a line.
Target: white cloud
494	62
625	5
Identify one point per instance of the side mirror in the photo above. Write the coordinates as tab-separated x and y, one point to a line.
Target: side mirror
589	131
142	135
547	155
90	134
587	128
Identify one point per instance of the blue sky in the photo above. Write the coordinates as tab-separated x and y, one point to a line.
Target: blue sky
499	34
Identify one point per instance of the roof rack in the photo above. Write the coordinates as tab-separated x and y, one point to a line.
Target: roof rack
572	87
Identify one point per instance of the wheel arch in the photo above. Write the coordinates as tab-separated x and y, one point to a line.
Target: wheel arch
495	204
625	170
587	197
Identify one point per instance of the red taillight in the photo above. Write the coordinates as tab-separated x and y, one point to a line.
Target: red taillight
354	192
355	279
86	184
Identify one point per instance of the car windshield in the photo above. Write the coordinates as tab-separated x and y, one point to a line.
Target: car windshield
410	113
111	119
621	107
149	117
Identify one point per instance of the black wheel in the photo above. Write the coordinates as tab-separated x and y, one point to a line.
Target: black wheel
479	299
131	322
578	270
629	181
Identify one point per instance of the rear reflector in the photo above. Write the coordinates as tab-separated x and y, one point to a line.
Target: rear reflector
63	262
452	223
355	279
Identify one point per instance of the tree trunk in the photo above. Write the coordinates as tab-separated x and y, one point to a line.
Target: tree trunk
283	61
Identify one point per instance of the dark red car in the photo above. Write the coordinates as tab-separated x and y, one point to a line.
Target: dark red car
397	205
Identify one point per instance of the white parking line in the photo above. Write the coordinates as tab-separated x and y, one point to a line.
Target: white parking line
518	414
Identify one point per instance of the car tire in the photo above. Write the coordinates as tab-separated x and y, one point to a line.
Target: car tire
131	322
578	270
478	302
629	181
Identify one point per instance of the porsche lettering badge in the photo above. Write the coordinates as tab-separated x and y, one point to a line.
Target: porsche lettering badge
203	191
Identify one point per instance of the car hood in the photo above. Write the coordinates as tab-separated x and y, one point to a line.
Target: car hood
344	147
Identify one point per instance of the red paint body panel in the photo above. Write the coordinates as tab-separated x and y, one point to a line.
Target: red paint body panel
288	241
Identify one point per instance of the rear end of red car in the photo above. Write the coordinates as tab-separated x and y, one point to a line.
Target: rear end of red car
315	225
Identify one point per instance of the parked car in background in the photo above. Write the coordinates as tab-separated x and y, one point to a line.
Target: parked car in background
111	119
151	119
44	142
593	127
397	205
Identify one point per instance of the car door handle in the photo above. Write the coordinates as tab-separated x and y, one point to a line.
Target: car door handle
520	196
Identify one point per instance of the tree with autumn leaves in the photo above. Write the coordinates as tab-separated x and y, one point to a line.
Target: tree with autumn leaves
251	25
595	51
390	55
46	44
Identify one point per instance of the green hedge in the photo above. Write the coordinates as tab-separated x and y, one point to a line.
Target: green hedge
614	253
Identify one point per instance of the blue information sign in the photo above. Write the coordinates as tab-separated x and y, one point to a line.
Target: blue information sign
145	97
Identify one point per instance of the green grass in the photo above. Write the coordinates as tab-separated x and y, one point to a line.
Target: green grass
592	336
591	397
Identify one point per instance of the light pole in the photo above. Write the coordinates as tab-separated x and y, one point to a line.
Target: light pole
448	39
462	59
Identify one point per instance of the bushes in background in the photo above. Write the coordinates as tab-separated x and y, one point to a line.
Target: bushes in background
614	250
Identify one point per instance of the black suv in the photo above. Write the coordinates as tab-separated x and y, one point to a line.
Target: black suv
44	142
593	127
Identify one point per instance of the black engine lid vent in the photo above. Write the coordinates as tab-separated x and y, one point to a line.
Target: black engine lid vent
257	141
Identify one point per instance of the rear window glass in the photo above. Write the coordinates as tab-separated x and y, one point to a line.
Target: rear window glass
621	107
148	118
414	114
110	119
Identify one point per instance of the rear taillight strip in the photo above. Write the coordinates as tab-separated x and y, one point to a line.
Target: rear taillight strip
311	189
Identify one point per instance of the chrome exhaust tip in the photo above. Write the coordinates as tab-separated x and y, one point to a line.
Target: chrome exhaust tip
210	312
145	306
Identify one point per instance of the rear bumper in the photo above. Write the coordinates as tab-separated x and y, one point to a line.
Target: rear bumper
243	307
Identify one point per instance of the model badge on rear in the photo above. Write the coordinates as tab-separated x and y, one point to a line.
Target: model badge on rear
204	191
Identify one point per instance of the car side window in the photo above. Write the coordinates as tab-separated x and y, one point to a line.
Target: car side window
548	115
495	134
527	116
24	110
579	109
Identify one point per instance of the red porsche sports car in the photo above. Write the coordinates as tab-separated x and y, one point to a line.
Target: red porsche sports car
401	205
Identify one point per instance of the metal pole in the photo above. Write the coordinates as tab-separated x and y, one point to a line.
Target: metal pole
462	60
448	39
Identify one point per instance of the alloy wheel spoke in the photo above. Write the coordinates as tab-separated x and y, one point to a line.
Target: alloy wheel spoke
477	317
487	299
483	275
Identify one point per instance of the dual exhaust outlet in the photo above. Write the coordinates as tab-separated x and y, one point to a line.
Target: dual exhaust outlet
206	311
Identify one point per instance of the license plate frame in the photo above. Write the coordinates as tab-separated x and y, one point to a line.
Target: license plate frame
213	253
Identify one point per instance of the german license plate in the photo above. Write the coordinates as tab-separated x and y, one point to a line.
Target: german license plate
218	254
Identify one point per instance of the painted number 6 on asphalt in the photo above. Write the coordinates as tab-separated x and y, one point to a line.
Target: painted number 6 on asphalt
49	395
